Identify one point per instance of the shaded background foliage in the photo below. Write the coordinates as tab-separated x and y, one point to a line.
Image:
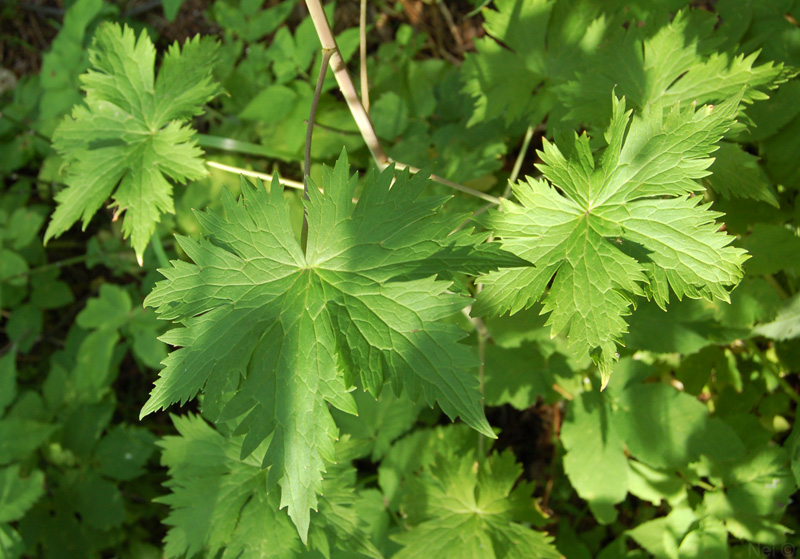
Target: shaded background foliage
690	451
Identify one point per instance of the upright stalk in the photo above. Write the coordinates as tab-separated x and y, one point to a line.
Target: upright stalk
360	115
345	83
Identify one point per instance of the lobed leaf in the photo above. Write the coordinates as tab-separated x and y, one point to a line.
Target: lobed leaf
601	233
129	138
289	332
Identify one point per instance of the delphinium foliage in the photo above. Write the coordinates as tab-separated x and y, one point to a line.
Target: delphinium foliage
573	333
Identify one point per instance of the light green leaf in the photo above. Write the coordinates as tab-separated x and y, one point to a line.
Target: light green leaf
110	309
220	504
662	536
467	509
129	138
675	64
362	302
708	541
20	437
604	231
18	493
595	461
757	490
737	174
786	325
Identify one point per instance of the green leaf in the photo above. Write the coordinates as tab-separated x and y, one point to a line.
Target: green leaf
130	138
123	452
11	544
208	488
531	47
793	449
19	437
8	380
469	509
171	8
676	64
595	461
18	493
99	502
757	490
109	310
220	504
774	248
786	325
418	449
502	77
66	59
603	232
737	174
666	428
379	421
363	302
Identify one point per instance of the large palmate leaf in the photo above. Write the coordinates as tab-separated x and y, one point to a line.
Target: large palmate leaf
465	509
130	138
302	328
603	232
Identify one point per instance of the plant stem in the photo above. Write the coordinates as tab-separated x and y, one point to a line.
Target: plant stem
158	248
236	146
454	185
24	126
360	115
323	69
483	338
266	177
771	369
345	83
526	142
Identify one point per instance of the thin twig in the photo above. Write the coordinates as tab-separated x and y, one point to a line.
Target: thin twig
336	130
483	338
345	83
158	249
448	17
323	69
363	122
266	177
526	142
24	126
454	185
362	29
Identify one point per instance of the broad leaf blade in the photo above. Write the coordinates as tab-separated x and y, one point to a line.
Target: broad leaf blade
602	232
129	139
288	332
